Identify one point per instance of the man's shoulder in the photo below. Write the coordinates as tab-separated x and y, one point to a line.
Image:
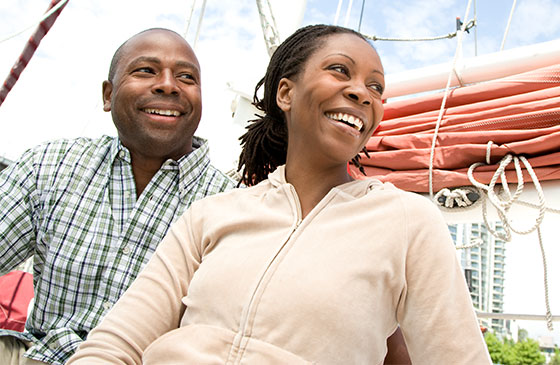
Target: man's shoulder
52	158
79	143
219	180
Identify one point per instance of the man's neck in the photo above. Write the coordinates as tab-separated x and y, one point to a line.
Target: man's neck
144	168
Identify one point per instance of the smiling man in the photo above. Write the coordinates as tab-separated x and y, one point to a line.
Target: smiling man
92	211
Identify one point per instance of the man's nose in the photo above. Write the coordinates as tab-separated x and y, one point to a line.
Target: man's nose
166	83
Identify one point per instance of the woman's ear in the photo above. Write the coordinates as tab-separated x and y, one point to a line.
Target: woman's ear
284	94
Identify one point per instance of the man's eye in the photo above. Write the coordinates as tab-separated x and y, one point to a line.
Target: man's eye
144	70
186	76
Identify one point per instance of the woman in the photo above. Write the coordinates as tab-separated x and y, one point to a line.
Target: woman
308	265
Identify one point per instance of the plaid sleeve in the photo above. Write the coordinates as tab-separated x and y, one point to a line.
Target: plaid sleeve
17	196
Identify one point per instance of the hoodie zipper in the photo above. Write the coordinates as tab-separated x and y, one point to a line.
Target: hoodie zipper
252	302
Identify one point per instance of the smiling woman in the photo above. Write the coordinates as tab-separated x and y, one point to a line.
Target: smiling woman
306	265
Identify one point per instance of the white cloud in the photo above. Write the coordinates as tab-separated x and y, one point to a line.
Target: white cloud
59	93
533	20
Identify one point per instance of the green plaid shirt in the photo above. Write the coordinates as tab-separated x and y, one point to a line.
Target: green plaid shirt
72	205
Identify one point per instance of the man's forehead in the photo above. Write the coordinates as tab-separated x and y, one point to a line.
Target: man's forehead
151	44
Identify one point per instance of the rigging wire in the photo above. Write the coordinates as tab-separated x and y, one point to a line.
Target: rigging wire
337	14
508	24
189	17
467	26
348	9
361	15
45	16
199	25
475	30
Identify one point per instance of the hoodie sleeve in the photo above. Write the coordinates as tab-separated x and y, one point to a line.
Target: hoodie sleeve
436	313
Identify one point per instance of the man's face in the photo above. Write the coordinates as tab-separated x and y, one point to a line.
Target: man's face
155	97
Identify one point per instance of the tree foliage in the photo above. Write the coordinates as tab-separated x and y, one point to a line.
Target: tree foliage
524	352
555	360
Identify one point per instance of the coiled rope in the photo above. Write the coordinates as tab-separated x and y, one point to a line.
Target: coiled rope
487	192
503	202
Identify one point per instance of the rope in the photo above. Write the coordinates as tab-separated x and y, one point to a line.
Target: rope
508	24
475	242
464	28
29	49
45	16
444	101
545	274
458	197
502	203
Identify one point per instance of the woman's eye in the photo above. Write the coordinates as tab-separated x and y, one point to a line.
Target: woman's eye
339	68
377	88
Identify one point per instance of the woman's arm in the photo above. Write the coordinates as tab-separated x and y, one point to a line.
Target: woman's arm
435	311
150	307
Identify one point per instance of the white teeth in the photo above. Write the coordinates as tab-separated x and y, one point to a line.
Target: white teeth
170	113
350	119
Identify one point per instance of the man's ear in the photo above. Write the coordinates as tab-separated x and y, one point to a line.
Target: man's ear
107	93
284	94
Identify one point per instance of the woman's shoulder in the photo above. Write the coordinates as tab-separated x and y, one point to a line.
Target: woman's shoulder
412	202
233	195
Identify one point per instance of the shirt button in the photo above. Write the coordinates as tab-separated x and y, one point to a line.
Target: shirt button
126	250
121	154
107	305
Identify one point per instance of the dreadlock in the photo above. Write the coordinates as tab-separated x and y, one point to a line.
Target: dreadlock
265	144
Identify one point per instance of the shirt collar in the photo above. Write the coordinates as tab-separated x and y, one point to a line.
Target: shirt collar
191	166
117	150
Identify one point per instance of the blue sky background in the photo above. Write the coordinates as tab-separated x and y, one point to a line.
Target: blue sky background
59	93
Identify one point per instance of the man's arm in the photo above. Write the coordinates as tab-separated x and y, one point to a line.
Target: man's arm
17	196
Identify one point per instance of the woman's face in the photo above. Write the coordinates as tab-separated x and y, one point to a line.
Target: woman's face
334	104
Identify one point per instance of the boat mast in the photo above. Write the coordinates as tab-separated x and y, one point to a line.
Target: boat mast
269	27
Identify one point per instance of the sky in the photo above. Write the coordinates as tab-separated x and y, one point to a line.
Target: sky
59	93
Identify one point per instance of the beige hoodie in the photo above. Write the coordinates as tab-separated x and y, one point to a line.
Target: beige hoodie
242	279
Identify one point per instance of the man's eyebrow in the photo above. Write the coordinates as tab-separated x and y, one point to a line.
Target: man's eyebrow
156	60
187	64
145	59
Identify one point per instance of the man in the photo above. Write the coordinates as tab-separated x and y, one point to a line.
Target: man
91	212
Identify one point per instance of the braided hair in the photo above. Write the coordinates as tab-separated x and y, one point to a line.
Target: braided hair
265	144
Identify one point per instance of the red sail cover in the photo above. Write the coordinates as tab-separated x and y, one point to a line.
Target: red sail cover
520	114
15	294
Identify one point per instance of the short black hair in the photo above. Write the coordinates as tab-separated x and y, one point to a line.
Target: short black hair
265	144
118	53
